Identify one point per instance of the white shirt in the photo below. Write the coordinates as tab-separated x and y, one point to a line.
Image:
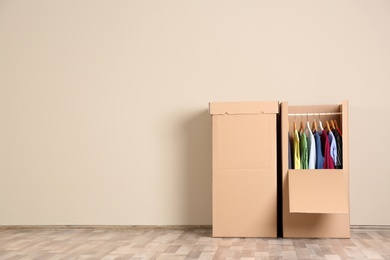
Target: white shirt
311	145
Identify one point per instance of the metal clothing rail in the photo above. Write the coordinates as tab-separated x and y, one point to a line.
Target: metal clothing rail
315	114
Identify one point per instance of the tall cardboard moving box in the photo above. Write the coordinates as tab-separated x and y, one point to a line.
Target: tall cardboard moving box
244	171
315	202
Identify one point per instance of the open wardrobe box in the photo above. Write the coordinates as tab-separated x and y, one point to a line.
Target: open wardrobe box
315	201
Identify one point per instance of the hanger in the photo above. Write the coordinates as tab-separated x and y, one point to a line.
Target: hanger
301	128
335	123
295	125
332	124
314	126
327	126
307	128
337	127
319	121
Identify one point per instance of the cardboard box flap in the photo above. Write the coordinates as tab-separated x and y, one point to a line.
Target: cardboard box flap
318	191
234	108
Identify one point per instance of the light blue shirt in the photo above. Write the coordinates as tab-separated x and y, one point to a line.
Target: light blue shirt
333	147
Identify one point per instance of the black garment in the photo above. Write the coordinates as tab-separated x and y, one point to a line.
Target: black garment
339	143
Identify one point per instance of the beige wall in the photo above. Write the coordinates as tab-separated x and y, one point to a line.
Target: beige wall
103	104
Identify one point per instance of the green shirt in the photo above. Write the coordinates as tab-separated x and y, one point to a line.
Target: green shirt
304	152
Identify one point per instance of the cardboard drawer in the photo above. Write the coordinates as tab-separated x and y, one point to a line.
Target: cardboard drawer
318	191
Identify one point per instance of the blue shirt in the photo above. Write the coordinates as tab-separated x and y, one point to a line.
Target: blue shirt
319	156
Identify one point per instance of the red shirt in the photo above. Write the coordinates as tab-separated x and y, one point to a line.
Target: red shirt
328	161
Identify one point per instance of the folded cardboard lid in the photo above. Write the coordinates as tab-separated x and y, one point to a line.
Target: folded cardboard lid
318	191
253	107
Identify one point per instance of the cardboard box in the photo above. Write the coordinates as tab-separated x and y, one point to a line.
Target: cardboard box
318	191
315	202
244	169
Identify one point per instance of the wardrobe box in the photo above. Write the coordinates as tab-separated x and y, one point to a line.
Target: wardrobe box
244	169
315	202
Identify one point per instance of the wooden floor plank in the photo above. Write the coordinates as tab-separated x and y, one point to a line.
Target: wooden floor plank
148	243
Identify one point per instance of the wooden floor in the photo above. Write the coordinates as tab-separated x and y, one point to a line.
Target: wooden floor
157	243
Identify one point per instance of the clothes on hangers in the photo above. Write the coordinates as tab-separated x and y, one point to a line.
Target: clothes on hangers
312	151
311	146
297	153
328	161
319	156
315	149
333	147
339	143
304	151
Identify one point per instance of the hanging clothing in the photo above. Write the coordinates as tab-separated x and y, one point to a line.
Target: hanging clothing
339	143
333	147
338	130
328	161
297	153
319	156
304	151
311	145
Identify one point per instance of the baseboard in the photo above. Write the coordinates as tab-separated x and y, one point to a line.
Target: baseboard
369	227
153	227
104	227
